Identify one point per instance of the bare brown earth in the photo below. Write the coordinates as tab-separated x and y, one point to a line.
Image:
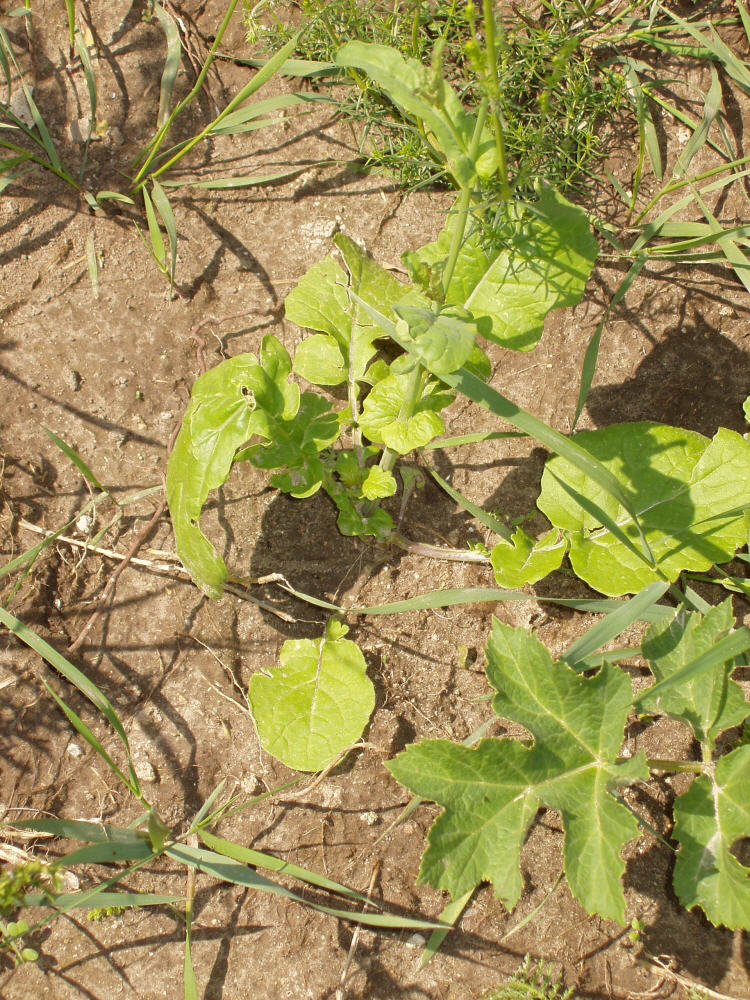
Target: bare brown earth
112	376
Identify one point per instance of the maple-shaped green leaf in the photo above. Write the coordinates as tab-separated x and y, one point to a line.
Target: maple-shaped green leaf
322	301
687	491
316	703
544	263
382	421
228	405
710	818
709	702
491	794
524	559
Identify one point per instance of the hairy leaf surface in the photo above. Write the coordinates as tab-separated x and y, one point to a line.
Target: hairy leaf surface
710	702
316	703
687	492
491	794
710	818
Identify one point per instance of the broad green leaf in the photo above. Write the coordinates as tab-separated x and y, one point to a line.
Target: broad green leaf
319	359
316	703
421	93
228	405
491	794
443	339
382	421
687	492
526	560
709	702
378	484
322	301
710	818
295	446
542	263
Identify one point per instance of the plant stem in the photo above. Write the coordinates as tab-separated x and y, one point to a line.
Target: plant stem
678	766
494	91
438	551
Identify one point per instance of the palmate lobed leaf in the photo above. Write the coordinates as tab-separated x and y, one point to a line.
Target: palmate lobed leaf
491	794
543	264
687	491
316	703
710	702
712	816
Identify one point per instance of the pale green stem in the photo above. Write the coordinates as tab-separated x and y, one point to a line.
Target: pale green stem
492	84
678	766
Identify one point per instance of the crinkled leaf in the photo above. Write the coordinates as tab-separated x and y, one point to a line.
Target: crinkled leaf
544	263
491	794
688	493
525	560
421	93
295	446
443	339
710	818
228	405
321	301
381	419
316	703
378	484
319	359
709	702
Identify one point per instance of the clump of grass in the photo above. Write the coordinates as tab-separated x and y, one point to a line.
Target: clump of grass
553	93
531	981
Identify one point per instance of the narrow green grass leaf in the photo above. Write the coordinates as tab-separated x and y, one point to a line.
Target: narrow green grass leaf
613	624
591	356
93	265
292	67
68	671
260	860
44	139
171	63
114	196
725	649
76	459
697	140
78	829
83	730
238	874
90	77
158	250
230	183
70	6
645	119
162	206
454	442
485	518
448	915
76	900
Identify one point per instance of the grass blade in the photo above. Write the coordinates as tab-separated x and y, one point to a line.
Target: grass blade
93	265
74	457
725	649
75	900
454	442
230	183
72	674
158	250
613	624
485	518
259	860
711	108
171	63
162	206
449	915
83	730
45	140
591	356
238	874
